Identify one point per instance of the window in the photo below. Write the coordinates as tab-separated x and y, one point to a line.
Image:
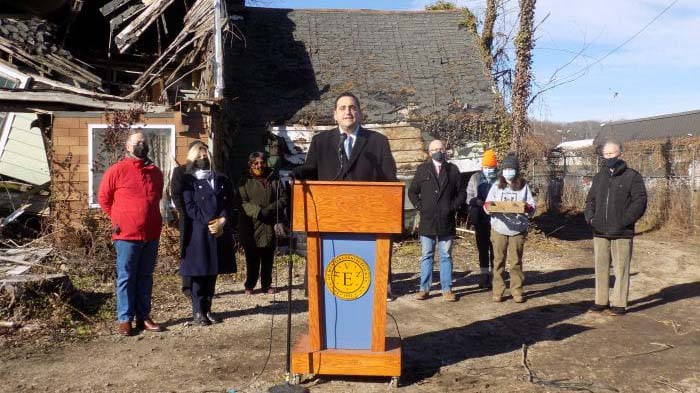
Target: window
9	79
104	150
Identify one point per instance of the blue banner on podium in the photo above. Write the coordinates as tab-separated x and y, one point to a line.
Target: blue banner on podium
348	274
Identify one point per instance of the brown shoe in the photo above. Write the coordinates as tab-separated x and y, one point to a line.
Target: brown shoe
497	299
518	299
449	296
125	329
148	324
421	295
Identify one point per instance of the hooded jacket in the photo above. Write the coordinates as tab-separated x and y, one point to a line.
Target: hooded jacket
616	200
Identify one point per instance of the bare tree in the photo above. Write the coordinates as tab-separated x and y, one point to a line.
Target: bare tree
524	43
487	33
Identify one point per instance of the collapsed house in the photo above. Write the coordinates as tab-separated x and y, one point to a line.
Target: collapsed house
270	85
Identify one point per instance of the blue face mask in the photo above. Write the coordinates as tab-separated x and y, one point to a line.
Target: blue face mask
509	174
490	173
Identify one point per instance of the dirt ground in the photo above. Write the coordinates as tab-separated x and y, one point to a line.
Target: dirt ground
473	345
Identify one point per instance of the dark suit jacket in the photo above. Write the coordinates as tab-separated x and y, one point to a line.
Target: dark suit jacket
437	198
370	160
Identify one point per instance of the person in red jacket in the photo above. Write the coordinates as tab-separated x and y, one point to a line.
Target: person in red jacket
130	194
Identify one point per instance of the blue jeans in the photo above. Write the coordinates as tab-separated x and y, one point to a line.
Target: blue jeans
135	263
426	262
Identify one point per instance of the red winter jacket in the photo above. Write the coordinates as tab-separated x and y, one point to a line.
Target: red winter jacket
130	194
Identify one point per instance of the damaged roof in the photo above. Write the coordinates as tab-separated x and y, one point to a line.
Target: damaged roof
30	45
287	66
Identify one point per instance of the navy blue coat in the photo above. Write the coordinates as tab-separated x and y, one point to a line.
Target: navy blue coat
204	254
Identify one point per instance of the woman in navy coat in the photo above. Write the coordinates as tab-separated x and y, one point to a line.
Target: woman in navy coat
208	235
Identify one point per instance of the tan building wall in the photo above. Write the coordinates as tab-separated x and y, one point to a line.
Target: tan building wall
69	161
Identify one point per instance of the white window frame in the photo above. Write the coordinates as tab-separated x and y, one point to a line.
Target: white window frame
10	119
92	198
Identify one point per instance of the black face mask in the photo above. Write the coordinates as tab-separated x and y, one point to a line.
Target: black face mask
438	156
141	150
611	162
201	163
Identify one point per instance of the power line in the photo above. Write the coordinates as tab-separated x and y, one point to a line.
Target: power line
635	35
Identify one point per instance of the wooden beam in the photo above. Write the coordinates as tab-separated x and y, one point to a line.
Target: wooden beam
133	30
16	100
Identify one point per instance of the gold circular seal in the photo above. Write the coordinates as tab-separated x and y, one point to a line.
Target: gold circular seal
348	276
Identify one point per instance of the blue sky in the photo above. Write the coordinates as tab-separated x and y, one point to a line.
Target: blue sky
655	73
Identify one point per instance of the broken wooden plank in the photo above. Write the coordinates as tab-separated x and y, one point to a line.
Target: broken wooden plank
112	6
22	99
54	281
125	16
135	28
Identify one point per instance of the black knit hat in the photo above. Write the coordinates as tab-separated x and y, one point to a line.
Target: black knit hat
510	161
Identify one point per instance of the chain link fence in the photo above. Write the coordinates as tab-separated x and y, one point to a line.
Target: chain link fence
671	173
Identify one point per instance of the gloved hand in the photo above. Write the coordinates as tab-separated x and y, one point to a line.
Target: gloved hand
280	230
216	226
529	209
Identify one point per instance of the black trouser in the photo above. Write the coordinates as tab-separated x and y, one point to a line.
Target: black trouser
483	244
186	280
202	293
258	262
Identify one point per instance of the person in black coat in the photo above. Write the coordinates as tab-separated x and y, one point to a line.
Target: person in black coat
616	200
437	192
208	199
177	182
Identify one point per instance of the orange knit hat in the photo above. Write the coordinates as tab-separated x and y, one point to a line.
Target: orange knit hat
489	159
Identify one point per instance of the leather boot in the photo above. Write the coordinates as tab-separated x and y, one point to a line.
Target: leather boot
207	312
148	324
125	329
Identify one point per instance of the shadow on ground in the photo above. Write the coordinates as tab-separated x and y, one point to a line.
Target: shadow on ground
426	353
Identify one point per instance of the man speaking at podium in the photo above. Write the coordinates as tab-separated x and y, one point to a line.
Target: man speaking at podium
349	152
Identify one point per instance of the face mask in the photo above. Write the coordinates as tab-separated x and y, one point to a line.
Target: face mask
438	156
611	162
201	163
490	173
140	150
509	174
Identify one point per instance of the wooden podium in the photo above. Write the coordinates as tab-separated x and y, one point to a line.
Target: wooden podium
349	227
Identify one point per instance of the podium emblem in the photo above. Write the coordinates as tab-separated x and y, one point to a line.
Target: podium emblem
348	277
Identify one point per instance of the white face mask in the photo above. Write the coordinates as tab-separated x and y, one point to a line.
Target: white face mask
490	173
509	174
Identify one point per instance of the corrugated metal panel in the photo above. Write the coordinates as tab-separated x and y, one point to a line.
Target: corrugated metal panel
24	155
657	127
